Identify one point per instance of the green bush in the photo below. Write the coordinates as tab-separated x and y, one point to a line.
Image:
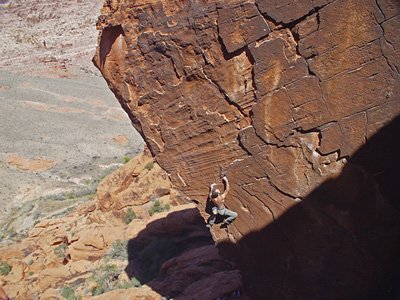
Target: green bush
119	250
5	268
60	250
106	279
158	207
36	215
149	166
85	192
129	216
69	293
97	290
7	232
134	282
126	159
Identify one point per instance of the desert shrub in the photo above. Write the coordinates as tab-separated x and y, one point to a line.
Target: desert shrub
5	268
149	166
64	212
27	208
36	215
134	282
59	197
60	250
8	233
106	279
69	293
129	216
126	159
105	173
158	207
119	250
84	192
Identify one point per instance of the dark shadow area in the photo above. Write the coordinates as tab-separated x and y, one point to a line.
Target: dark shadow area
341	242
177	252
108	37
163	239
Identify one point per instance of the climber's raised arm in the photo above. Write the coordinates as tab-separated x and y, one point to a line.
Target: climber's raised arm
225	180
211	190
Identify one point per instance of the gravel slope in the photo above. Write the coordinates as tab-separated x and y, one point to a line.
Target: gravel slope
61	128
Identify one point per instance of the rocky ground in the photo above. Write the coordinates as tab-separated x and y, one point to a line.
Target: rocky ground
136	239
61	128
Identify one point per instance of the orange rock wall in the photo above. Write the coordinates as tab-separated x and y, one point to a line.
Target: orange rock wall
280	95
274	93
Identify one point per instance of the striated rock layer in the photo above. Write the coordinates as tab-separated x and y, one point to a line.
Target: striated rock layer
281	96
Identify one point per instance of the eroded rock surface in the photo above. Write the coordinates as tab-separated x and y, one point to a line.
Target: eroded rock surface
280	95
95	252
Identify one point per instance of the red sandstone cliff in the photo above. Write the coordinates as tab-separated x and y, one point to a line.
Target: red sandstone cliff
285	97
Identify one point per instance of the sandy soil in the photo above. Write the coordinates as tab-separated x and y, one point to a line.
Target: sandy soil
61	129
38	164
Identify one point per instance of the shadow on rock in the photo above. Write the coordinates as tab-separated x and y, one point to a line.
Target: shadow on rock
341	242
176	257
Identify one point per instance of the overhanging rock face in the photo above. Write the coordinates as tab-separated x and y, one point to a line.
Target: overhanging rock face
277	94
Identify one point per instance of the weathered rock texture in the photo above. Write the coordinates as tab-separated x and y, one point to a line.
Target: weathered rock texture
171	253
278	94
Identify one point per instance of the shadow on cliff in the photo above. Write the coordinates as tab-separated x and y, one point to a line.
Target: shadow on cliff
164	239
341	242
108	38
176	256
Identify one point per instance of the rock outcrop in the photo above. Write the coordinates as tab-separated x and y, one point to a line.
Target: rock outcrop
96	253
280	95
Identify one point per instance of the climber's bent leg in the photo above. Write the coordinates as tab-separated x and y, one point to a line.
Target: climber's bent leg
232	215
213	217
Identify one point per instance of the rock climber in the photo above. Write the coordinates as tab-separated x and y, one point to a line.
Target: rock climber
218	201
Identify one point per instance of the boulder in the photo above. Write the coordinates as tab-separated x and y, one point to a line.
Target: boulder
281	96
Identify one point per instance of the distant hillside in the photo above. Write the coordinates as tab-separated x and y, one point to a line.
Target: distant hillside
48	37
